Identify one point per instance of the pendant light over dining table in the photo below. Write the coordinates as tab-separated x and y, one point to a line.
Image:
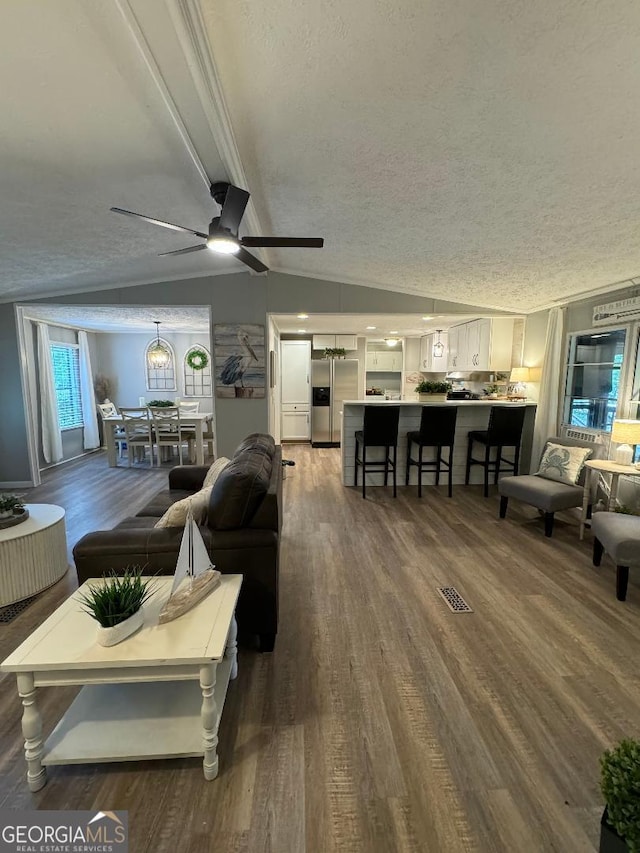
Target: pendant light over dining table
158	356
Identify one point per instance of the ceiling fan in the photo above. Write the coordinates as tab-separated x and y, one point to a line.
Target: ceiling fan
223	229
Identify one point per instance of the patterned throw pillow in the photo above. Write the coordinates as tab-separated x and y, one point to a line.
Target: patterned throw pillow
176	515
563	463
215	470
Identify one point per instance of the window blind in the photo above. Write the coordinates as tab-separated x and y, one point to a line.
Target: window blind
66	375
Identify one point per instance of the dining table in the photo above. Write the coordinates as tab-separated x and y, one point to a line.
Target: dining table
198	419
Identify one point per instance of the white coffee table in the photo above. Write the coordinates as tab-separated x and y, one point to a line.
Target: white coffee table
158	694
33	554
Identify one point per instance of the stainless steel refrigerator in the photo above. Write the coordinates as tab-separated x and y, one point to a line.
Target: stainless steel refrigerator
332	381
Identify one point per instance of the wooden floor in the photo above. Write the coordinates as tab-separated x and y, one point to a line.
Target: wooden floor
382	721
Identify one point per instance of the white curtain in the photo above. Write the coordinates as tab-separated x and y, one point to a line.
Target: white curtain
51	435
551	384
89	417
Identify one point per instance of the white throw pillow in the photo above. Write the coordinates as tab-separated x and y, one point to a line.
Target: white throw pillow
215	470
176	515
562	463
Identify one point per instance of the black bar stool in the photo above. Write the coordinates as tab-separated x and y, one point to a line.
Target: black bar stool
504	430
437	429
380	429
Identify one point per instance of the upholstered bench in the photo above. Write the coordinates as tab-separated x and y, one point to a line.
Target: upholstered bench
619	536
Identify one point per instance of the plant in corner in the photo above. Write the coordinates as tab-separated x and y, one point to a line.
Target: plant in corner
117	605
10	505
620	785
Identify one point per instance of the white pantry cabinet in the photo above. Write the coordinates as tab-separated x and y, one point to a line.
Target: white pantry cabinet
295	390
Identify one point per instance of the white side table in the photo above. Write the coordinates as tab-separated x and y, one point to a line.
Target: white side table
33	554
603	466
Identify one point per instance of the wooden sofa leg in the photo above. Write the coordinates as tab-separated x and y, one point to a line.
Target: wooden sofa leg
622	579
503	506
548	523
598	550
266	642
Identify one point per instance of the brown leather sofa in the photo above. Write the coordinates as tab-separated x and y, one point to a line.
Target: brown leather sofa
241	533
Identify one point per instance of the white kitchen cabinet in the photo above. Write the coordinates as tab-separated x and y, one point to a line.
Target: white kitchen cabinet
295	370
412	355
347	342
296	425
430	362
481	345
384	360
457	349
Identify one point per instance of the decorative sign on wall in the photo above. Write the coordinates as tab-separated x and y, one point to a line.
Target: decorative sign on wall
239	360
620	311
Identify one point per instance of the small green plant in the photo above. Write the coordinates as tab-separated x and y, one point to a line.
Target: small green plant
431	386
10	503
492	389
161	404
118	598
334	352
620	785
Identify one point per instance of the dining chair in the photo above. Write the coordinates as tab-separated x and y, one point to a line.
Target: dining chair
138	433
189	408
107	409
169	431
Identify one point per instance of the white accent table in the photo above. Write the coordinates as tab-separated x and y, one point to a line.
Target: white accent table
158	694
603	466
33	554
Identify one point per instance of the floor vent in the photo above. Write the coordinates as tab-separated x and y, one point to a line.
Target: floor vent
453	598
12	610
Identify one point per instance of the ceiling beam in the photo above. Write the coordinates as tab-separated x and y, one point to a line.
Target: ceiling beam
192	34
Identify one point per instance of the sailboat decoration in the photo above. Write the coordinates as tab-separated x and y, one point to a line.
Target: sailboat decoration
195	567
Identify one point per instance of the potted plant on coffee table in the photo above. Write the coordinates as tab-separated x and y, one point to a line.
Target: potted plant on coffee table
116	605
620	785
10	505
433	391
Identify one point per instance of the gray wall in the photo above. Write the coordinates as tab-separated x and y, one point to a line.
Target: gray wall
240	298
121	357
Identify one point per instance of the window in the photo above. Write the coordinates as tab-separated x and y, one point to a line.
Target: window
66	377
593	379
160	379
197	383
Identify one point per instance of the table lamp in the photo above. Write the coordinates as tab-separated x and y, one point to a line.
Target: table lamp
519	376
626	434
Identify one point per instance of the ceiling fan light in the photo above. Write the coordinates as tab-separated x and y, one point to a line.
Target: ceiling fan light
223	245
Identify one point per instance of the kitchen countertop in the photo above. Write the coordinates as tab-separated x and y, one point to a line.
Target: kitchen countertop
378	401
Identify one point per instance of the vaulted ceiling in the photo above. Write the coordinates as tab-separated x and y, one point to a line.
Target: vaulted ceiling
482	153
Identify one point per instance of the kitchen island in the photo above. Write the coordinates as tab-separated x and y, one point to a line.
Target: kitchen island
472	415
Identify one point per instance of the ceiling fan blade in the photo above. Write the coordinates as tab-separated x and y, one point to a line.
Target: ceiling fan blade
159	222
183	251
251	261
293	242
233	208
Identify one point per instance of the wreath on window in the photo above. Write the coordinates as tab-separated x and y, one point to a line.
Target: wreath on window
197	359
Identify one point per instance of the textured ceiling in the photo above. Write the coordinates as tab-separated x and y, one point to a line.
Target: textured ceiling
481	153
123	318
485	153
83	126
